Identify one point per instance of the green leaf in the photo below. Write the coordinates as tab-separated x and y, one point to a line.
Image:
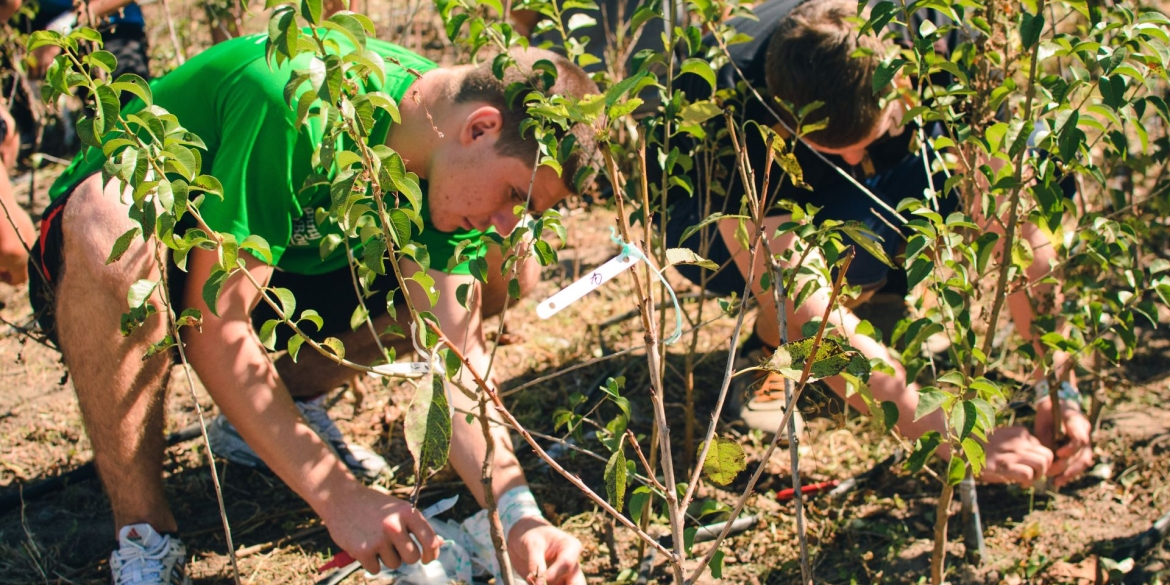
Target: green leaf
970	417
866	239
956	471
700	67
336	346
259	247
790	358
108	109
638	502
268	334
311	316
427	425
544	253
122	244
311	10
212	288
699	112
890	412
885	73
615	479
717	564
706	221
294	346
1030	28
358	317
725	459
135	85
973	452
924	447
929	400
688	256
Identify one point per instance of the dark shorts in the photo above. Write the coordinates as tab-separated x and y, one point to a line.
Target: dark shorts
331	294
129	45
843	202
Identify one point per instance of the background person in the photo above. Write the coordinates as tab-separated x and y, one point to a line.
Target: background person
802	52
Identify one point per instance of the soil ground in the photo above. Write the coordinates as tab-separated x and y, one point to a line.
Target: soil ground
879	533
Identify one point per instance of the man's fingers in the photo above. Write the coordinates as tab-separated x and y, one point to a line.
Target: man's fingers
389	557
537	566
369	561
1011	473
566	570
1074	466
428	541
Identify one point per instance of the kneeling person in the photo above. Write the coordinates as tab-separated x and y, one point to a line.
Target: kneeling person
459	136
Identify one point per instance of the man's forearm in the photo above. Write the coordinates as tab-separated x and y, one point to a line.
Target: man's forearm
469	446
244	384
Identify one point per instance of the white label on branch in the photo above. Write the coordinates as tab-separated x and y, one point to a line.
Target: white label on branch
585	285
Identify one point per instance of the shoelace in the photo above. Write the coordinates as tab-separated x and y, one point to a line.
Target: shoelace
140	565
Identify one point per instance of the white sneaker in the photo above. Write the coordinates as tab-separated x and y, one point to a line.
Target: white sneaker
226	442
145	557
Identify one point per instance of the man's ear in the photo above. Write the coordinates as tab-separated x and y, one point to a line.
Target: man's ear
484	122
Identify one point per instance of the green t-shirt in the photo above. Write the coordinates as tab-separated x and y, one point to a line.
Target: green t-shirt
229	97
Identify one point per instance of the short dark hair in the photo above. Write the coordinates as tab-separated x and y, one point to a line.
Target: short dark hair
480	84
810	58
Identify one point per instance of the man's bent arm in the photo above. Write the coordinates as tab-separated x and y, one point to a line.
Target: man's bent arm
236	371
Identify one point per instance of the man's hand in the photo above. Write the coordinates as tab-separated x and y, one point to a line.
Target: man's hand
1015	456
545	554
1076	454
370	525
42	57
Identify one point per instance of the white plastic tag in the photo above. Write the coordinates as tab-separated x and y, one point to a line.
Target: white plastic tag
401	370
584	285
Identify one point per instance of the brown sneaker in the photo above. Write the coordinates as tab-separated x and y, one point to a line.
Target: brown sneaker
757	398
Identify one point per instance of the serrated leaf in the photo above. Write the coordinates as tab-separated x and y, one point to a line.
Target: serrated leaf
790	358
122	244
427	426
615	479
725	459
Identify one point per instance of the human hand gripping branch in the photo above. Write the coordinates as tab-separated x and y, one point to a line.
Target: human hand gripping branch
538	550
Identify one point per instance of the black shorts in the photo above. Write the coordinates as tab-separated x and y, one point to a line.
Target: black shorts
331	294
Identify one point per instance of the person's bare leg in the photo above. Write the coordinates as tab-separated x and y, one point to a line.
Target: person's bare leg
121	396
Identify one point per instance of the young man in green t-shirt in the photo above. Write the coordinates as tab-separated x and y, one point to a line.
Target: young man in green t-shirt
459	136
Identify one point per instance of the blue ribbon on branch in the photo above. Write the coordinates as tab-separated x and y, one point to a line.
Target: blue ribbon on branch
632	251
